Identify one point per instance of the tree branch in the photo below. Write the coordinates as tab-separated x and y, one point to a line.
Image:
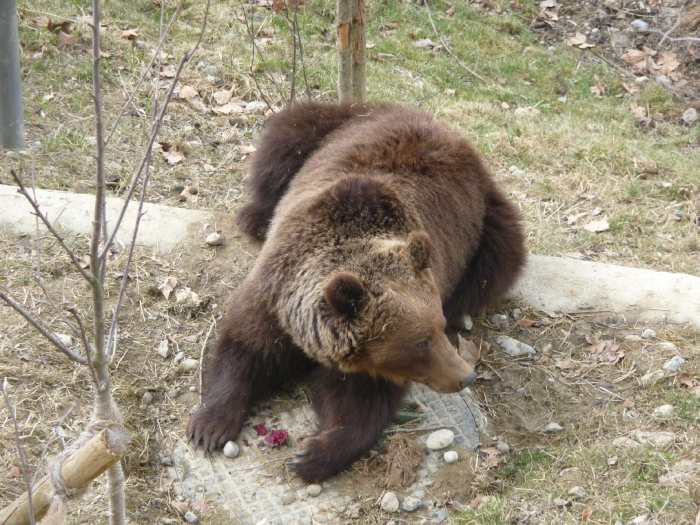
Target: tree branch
37	211
41	327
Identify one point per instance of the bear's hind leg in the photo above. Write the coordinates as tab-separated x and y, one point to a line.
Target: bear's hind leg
352	411
495	265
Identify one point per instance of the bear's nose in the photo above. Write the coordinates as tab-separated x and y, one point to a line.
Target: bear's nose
468	380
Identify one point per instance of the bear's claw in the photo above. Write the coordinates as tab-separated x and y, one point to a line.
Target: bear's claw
210	429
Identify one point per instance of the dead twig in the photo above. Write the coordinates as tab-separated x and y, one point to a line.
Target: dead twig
20	450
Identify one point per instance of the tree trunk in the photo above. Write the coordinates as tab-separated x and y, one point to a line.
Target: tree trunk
357	39
11	119
343	24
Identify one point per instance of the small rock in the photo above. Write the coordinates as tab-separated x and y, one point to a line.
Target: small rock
651	378
640	25
516	172
391	522
648	333
147	398
353	512
191	517
640	520
467	323
502	447
674	364
667	346
516	314
231	449
313	490
663	411
389	503
680	474
438	516
577	492
179	357
552	428
163	349
65	339
440	439
624	442
450	456
560	502
189	364
410	504
612	461
288	498
690	116
655	439
513	347
166	460
214	239
500	321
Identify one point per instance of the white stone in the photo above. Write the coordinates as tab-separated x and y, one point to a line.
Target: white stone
214	239
689	116
502	447
640	25
651	378
663	411
467	323
450	456
440	439
674	364
560	502
667	346
410	504
313	490
655	439
500	321
191	517
513	347
65	339
389	502
179	357
648	333
189	364
231	449
577	492
163	349
552	428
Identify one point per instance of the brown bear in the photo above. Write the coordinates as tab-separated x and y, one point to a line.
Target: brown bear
380	228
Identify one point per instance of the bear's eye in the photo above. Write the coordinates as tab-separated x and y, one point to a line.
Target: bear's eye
423	345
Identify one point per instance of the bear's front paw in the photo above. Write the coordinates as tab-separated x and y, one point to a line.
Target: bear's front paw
324	455
211	428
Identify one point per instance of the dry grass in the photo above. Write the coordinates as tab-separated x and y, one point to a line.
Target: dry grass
572	157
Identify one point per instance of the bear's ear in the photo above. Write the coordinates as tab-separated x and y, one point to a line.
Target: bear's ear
345	293
420	250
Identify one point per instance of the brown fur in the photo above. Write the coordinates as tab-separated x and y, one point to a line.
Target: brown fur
380	225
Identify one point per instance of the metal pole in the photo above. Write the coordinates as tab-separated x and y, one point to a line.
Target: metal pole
11	119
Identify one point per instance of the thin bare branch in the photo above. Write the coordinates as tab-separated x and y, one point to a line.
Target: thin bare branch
86	344
254	50
146	70
37	211
447	47
40	327
154	133
20	450
301	50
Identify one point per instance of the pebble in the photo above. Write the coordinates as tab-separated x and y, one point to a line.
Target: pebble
640	520
500	321
391	522
166	460
389	503
467	323
612	461
313	490
560	502
516	314
648	333
65	339
438	516
189	364
674	364
231	449
450	456
513	347
689	116
651	378
214	239
667	346
410	504
577	492
663	411
502	447
552	428
191	517
163	349
640	25
147	398
179	357
516	172
655	439
440	439
288	498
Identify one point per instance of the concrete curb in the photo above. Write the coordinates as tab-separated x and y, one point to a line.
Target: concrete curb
553	284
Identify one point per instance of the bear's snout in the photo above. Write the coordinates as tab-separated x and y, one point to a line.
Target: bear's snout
448	371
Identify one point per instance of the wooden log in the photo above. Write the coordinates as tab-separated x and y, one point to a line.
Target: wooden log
344	12
102	451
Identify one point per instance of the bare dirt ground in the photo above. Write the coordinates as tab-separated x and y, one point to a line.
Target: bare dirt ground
559	126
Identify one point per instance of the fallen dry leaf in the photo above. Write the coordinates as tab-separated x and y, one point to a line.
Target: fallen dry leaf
424	42
168	71
167	286
187	92
130	34
223	97
667	62
227	109
66	39
172	154
579	40
597	226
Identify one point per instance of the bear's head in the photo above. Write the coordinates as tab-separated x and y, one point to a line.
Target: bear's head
393	307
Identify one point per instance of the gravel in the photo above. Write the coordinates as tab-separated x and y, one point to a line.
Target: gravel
674	364
191	517
450	456
389	503
410	504
552	428
313	490
513	347
440	439
231	449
